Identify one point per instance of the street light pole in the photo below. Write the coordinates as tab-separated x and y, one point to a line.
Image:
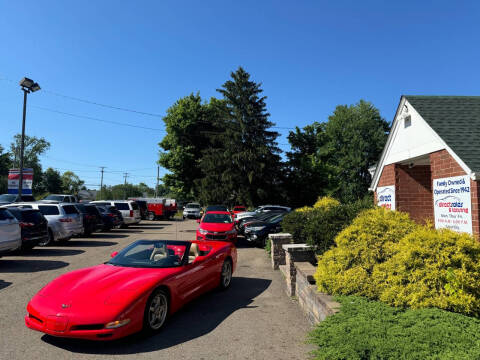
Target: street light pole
22	144
28	85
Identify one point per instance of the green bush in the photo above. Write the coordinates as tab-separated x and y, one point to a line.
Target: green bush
268	245
432	268
346	269
384	255
371	330
319	225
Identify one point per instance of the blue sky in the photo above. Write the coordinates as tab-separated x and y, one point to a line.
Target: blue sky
144	55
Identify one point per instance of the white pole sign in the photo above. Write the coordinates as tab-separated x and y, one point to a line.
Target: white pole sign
386	197
452	203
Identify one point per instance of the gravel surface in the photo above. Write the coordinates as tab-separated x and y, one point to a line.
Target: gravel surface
253	319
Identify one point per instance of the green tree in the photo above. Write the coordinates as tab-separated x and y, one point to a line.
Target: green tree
71	183
356	136
308	174
5	165
33	148
52	181
186	122
242	165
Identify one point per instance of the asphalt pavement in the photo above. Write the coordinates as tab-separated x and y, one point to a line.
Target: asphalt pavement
253	319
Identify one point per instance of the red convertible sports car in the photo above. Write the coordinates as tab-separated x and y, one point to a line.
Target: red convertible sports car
217	225
137	289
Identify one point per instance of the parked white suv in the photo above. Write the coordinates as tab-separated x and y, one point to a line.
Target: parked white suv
60	198
129	209
10	234
64	220
191	210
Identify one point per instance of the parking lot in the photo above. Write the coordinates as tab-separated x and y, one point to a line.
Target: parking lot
253	319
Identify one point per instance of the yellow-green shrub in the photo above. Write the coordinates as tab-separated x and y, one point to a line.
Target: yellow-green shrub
346	269
326	203
432	268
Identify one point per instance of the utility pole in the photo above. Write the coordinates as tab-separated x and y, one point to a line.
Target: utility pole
101	181
125	175
158	176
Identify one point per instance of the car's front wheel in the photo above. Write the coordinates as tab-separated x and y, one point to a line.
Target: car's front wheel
226	274
156	311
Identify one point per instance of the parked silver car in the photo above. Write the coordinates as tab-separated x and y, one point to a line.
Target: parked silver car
10	234
128	208
192	210
64	220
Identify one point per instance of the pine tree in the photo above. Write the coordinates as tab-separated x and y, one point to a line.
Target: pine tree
243	162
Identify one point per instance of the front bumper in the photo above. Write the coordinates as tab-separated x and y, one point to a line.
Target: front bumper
217	237
59	326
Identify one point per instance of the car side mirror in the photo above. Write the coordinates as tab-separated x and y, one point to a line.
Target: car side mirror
113	254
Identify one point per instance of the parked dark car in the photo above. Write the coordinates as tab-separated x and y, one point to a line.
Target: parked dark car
92	219
257	232
112	218
260	217
33	226
216	208
11	198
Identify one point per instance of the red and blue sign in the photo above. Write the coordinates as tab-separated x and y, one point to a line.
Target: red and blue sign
13	181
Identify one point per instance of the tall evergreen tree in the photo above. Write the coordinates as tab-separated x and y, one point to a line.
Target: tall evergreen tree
244	161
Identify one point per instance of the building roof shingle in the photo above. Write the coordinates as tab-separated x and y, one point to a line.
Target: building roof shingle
456	119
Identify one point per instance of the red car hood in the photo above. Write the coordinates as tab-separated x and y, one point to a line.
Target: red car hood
217	227
99	289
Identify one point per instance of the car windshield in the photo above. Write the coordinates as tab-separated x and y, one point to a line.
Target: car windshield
192	206
81	208
54	197
216	208
217	218
275	219
8	197
151	254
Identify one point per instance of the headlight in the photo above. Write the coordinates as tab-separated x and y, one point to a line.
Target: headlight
203	231
257	228
117	324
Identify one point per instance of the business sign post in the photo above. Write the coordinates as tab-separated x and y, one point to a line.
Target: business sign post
13	181
452	204
386	197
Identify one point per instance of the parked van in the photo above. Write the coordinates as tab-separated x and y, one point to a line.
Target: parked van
128	208
64	220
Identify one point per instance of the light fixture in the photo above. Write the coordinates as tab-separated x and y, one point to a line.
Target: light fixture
29	85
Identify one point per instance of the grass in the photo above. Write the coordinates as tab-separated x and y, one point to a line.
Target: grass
365	329
268	246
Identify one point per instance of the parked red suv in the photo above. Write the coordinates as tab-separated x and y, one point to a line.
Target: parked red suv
217	225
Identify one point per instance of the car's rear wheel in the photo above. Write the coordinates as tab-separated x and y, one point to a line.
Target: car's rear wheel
156	311
151	216
226	274
48	240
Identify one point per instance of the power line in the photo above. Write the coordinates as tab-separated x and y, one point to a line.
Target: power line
96	119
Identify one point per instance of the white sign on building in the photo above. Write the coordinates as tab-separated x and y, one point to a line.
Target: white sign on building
452	203
386	197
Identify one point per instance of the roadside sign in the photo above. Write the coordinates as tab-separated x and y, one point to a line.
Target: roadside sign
13	181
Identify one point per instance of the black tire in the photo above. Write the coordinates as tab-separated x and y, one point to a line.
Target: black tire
151	216
124	226
226	274
156	311
47	241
